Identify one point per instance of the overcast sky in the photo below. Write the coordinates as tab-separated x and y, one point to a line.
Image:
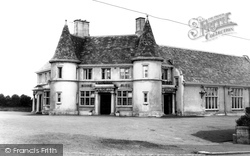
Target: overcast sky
30	30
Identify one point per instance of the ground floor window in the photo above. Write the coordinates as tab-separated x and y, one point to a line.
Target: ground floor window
211	98
46	97
59	97
237	98
87	97
124	98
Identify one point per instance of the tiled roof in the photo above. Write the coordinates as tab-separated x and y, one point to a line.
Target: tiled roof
206	67
46	67
147	44
197	66
106	49
65	49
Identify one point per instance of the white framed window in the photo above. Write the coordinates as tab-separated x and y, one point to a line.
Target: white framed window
237	98
145	97
87	74
106	73
87	98
59	71
46	98
167	76
45	77
211	98
125	73
59	97
124	98
145	71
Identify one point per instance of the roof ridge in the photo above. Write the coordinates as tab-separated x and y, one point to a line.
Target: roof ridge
218	53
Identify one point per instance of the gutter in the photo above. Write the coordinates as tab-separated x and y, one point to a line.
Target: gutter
223	85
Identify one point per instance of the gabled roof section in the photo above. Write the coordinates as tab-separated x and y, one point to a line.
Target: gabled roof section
65	50
147	44
208	68
44	68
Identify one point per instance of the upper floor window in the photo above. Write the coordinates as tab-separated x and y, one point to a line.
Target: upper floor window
87	98
125	73
145	71
124	98
176	81
59	72
39	78
106	73
167	76
87	74
237	98
45	77
211	98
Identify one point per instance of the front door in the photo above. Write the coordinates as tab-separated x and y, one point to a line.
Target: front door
105	103
40	103
168	104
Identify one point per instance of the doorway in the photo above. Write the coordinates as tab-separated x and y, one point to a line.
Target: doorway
105	103
40	103
168	104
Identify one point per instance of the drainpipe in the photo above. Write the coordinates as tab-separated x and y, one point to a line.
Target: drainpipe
225	104
77	94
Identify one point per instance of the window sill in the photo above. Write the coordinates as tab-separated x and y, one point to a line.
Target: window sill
146	103
237	109
124	105
82	106
58	103
210	110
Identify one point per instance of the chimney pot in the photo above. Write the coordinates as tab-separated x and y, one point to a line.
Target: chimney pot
140	22
81	28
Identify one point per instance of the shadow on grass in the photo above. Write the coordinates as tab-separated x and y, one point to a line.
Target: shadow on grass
217	136
175	116
135	144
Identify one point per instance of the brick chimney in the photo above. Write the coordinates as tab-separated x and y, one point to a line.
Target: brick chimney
140	22
81	28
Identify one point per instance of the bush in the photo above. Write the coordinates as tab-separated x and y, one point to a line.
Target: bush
244	120
248	110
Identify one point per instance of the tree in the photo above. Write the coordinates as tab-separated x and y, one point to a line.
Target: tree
25	101
2	100
8	101
15	100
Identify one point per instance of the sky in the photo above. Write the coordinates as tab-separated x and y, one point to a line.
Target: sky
30	30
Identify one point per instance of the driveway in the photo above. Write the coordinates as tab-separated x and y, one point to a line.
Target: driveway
121	135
